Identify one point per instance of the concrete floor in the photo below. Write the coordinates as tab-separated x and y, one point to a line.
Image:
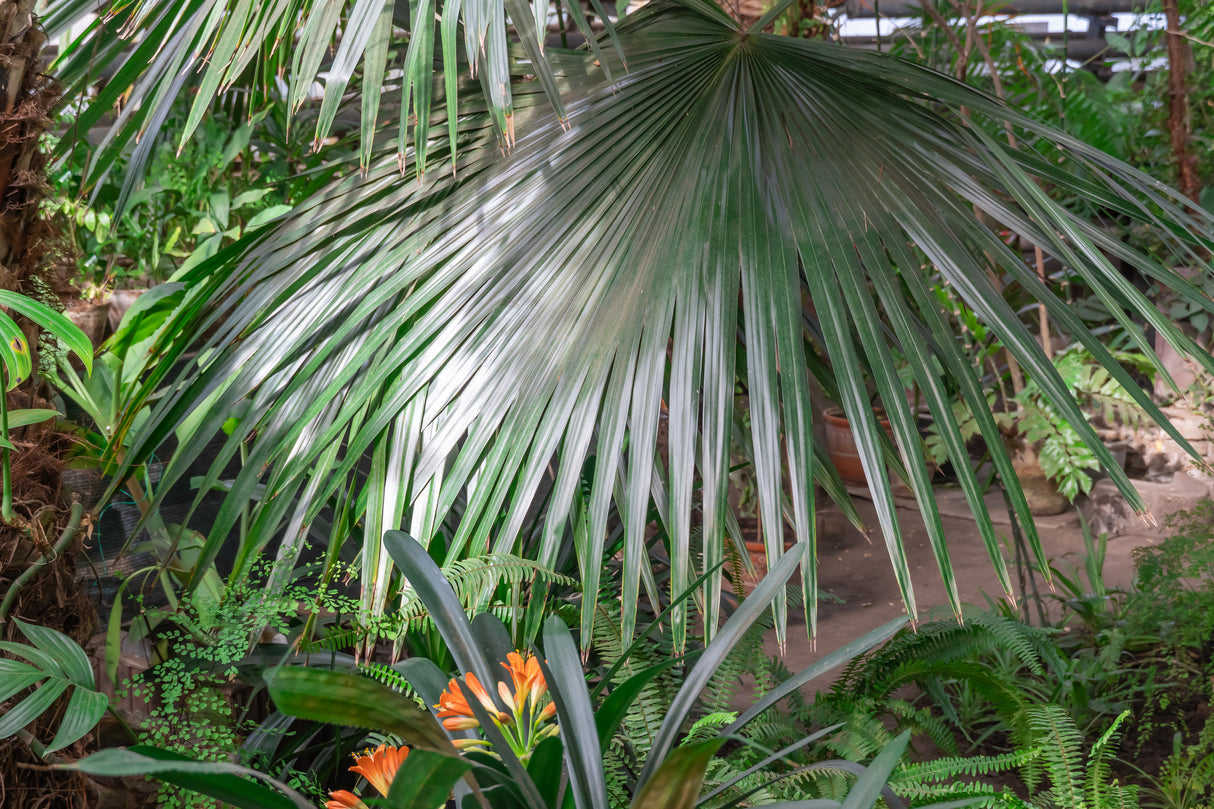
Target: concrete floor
857	570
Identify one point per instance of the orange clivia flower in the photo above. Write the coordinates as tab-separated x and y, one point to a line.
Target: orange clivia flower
344	799
379	766
455	711
525	697
528	678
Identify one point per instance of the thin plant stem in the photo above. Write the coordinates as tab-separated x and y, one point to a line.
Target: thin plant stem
1024	570
6	508
69	534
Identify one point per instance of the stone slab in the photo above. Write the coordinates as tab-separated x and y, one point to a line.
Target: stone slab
952	503
1107	512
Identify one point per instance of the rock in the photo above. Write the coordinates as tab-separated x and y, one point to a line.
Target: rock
1107	512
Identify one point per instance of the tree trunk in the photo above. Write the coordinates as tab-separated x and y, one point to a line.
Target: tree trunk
26	97
1178	103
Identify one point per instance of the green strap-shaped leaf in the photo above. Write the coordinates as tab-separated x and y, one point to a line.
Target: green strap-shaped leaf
868	787
676	783
833	660
445	610
717	651
43	661
425	779
615	707
575	716
31	707
15	676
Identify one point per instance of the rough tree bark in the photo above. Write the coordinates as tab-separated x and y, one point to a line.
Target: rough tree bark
26	97
1178	103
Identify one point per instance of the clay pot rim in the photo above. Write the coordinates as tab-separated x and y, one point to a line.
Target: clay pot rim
751	545
836	415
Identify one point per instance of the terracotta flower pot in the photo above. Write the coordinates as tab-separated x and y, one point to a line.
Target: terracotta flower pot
841	444
1041	493
90	318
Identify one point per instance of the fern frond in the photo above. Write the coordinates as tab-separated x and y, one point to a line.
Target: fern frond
475	581
1061	748
335	639
705	725
392	678
1098	789
948	768
1020	638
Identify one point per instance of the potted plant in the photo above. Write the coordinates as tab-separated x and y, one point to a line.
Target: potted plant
1052	462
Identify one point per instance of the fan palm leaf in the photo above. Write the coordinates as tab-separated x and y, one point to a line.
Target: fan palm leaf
733	208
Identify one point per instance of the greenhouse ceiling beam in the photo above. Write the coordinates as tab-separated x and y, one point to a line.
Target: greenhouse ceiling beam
1081	8
1077	49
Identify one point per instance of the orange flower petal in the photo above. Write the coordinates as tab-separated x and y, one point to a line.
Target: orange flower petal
482	696
460	723
344	799
503	691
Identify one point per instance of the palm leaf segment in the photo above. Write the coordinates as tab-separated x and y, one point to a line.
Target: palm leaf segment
206	47
737	207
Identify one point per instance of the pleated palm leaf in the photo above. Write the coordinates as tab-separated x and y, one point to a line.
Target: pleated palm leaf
731	207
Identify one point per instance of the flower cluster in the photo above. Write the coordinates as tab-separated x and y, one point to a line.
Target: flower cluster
525	698
379	767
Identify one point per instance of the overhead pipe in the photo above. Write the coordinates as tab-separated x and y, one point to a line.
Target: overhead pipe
1079	8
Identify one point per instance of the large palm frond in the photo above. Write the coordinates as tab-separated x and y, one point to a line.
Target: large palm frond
152	51
735	207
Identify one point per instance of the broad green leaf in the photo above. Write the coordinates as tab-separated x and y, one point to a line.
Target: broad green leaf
351	699
66	652
24	418
84	710
14	351
225	782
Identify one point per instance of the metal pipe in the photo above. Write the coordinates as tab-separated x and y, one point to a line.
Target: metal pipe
1082	8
